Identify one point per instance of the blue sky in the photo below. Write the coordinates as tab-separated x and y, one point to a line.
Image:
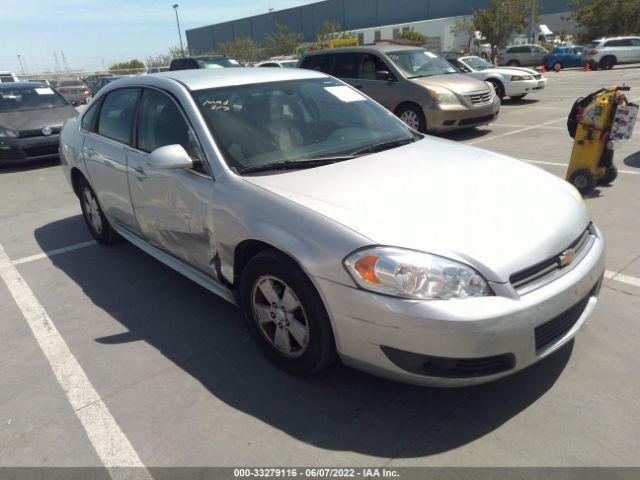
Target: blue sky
92	33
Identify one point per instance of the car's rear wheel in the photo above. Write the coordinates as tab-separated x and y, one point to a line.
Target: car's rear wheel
557	67
285	314
607	63
498	87
413	116
513	63
94	217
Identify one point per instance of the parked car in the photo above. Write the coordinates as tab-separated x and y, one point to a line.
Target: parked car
74	91
605	53
44	81
278	63
203	61
8	77
91	80
513	82
104	82
522	56
31	117
564	56
338	230
421	88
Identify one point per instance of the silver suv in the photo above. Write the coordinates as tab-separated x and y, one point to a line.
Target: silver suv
607	52
522	56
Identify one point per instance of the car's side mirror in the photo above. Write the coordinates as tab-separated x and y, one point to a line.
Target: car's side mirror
384	75
168	157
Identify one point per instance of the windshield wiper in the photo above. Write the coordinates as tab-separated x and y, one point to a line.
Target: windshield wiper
295	164
386	145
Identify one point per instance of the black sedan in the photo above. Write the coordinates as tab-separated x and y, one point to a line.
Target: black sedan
31	117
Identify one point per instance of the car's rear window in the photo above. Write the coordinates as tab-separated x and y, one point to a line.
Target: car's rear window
71	83
592	45
19	99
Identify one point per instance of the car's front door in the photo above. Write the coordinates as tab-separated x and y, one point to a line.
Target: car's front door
173	207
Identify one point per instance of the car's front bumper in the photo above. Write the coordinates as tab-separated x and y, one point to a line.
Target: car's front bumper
16	150
523	87
453	117
472	330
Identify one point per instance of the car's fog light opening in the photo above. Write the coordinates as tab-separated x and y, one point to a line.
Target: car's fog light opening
443	367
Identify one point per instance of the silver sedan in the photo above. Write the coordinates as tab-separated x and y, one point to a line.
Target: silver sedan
340	232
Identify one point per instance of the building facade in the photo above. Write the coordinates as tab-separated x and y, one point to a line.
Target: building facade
353	15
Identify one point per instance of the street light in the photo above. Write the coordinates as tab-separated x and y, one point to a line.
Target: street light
175	7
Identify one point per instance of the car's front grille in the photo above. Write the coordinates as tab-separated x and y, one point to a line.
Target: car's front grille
520	280
479	98
8	153
473	121
555	329
41	150
37	132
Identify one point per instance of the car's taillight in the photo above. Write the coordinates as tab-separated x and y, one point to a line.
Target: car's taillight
63	89
84	90
593	52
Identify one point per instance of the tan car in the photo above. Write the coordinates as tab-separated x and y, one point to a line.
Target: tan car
421	88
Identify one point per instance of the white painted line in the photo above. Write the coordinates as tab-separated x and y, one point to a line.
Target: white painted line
108	440
619	277
558	164
514	132
52	253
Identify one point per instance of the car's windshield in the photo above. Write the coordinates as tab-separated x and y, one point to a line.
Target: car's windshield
296	120
477	63
420	63
217	62
18	99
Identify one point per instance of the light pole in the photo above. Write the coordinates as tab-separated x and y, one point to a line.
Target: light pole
175	8
532	28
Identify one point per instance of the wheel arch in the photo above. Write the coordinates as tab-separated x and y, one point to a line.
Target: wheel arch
76	176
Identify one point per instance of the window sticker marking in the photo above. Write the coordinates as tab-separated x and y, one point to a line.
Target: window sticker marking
345	94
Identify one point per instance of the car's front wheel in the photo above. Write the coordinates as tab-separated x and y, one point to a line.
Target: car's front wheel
285	314
94	217
412	115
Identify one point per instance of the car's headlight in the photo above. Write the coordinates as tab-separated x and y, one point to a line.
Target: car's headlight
7	132
515	78
443	96
417	275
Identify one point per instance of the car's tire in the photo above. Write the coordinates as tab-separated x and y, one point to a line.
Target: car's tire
518	97
285	314
497	84
94	217
583	180
593	65
513	63
607	63
609	176
556	67
412	115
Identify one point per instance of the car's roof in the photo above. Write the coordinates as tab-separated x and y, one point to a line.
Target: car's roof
200	79
365	48
14	85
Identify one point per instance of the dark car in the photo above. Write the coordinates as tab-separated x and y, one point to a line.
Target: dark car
31	117
564	56
103	82
203	61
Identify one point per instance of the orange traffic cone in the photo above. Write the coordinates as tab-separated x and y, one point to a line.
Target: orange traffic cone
542	69
587	67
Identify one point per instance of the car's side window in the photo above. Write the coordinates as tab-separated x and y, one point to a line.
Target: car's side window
160	123
345	65
116	114
635	42
89	117
369	65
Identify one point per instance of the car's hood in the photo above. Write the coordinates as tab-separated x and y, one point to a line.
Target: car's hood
510	71
499	214
456	82
34	119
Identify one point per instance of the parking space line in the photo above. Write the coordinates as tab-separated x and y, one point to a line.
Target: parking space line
53	253
559	164
514	132
110	443
619	277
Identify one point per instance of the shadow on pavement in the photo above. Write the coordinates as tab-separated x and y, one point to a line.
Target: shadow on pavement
18	166
633	160
338	409
519	101
466	134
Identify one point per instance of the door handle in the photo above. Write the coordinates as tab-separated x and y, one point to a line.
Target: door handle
140	170
90	151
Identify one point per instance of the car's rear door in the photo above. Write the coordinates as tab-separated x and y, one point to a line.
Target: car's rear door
105	154
173	207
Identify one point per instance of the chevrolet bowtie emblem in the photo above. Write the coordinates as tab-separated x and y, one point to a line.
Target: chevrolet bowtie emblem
567	257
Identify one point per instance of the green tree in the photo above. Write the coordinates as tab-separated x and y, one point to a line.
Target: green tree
465	26
328	30
242	49
414	36
282	41
598	18
503	18
132	66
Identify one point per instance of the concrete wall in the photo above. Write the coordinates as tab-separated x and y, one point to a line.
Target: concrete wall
352	15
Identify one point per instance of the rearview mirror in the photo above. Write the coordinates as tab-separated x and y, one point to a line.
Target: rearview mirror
170	156
384	75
